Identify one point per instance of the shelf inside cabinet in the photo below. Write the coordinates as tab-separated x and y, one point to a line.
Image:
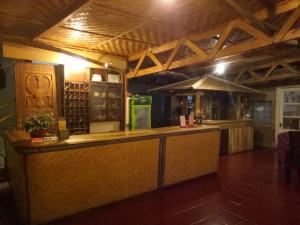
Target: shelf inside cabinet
106	102
76	106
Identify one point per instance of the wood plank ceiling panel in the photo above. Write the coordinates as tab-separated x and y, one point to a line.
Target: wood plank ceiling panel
24	18
156	34
111	19
105	22
72	38
149	9
122	47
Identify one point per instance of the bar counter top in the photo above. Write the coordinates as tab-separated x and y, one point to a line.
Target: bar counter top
22	142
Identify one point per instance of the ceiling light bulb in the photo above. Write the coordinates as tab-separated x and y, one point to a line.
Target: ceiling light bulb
220	68
106	65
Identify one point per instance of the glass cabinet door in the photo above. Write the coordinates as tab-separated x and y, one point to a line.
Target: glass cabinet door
291	110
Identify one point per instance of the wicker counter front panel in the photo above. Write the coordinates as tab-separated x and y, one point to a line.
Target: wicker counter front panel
190	156
77	180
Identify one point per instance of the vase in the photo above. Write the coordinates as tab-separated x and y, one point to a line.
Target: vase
38	133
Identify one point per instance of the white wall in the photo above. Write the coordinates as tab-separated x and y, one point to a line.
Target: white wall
104	127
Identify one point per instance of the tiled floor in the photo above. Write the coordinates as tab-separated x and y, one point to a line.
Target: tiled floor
248	189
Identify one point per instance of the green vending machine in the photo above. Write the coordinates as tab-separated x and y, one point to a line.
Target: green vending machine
140	112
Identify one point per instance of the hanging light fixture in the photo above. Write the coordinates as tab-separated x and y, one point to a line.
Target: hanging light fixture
221	68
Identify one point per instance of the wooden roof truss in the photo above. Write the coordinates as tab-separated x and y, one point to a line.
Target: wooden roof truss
281	69
256	30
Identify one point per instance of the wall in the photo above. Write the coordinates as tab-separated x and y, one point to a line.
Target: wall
17	51
264	134
7	106
98	127
160	109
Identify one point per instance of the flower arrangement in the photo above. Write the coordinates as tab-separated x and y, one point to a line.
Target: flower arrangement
37	126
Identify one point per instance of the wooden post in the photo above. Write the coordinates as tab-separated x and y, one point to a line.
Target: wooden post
197	104
173	106
238	107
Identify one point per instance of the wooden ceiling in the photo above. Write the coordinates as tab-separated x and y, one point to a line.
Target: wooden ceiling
120	27
160	35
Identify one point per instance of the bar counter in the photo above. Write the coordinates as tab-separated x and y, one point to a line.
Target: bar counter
236	135
60	178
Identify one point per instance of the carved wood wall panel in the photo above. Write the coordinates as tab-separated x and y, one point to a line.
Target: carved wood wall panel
35	90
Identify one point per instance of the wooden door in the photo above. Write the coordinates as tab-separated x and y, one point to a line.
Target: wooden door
287	109
35	90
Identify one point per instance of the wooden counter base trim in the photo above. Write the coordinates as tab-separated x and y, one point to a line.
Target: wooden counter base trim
29	148
18	182
161	168
27	191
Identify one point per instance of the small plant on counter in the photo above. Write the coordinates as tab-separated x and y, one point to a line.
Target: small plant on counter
37	126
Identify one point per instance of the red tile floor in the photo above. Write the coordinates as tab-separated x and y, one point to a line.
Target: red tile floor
249	189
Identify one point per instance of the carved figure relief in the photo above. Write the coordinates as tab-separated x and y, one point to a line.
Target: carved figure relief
35	90
39	91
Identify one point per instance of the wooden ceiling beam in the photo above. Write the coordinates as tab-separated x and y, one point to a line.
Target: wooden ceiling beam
154	59
270	71
268	76
287	25
288	67
270	64
35	44
140	63
241	73
226	32
174	53
253	74
64	16
195	48
245	13
272	53
271	78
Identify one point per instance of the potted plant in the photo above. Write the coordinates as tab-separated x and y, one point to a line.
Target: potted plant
37	126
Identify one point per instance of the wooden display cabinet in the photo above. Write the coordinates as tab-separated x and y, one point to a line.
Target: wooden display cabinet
93	100
106	102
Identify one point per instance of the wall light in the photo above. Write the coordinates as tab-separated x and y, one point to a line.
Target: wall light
73	61
221	68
